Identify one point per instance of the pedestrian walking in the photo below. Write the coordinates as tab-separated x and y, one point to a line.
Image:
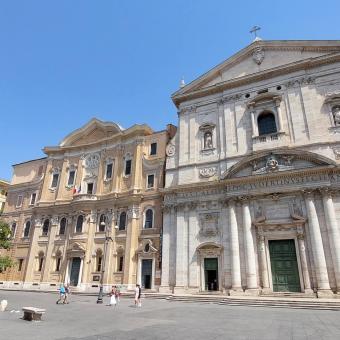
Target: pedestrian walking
67	293
138	293
117	294
113	301
62	293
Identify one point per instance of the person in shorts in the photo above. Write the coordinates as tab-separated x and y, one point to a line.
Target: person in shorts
62	293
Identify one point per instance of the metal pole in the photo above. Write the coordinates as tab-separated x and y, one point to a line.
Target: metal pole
100	295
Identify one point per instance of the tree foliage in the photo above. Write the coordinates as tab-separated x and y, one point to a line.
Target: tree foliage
5	243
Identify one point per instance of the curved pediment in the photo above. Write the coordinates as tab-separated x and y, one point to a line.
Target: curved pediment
271	162
94	131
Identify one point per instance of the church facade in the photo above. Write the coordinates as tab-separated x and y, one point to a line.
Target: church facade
251	197
90	212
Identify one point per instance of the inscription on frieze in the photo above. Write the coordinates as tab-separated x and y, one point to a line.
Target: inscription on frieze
281	182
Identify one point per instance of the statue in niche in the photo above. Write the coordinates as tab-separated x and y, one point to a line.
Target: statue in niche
336	114
208	144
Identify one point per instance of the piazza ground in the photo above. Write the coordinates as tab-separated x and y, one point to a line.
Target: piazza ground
160	319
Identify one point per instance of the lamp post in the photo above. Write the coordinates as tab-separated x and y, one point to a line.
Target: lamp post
108	238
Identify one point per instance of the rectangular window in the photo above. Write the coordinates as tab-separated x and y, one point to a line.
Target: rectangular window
55	180
21	261
71	177
89	188
153	149
128	167
109	168
19	201
120	263
151	180
57	267
33	197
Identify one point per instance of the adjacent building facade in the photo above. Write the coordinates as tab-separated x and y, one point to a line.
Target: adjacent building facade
251	198
3	194
95	193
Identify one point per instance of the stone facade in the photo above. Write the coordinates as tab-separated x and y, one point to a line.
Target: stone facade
253	176
3	194
97	193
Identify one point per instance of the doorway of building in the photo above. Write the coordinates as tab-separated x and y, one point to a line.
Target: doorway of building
146	273
75	269
211	273
285	272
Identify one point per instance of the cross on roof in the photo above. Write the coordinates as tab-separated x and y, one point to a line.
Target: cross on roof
254	30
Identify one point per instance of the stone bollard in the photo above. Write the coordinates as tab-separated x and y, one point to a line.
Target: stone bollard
3	305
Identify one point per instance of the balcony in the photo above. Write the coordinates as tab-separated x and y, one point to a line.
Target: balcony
84	197
268	141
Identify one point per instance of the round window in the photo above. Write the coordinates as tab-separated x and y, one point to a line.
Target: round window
147	248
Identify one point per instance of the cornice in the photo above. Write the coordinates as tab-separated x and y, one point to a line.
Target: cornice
274	72
249	179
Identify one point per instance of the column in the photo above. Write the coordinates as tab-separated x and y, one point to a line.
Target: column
31	264
172	250
108	263
333	233
249	247
317	246
130	267
193	268
263	262
279	115
67	279
80	278
137	165
234	248
165	249
304	266
253	125
181	250
48	266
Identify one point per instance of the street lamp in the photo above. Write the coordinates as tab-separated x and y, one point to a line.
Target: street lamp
108	238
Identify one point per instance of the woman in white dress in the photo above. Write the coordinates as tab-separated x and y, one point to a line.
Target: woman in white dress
113	301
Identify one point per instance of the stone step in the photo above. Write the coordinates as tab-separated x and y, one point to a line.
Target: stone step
302	306
289	295
258	302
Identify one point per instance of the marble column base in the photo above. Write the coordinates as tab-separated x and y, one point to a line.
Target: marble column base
236	292
165	290
252	292
325	293
309	291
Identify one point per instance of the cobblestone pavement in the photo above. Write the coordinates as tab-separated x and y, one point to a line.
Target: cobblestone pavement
159	319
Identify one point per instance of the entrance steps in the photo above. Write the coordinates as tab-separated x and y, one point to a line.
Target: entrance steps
283	303
277	302
288	295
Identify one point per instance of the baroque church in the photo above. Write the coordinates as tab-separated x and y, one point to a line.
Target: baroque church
251	197
242	199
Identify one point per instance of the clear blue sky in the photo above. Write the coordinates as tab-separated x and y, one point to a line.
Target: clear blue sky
64	62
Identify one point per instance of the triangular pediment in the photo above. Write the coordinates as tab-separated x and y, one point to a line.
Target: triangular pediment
95	130
257	58
275	162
